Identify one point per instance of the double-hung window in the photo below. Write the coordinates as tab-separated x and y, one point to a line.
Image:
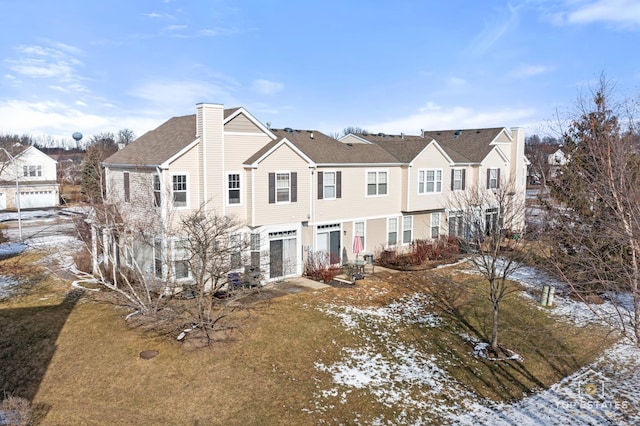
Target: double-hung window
181	259
493	178
329	185
458	179
32	171
435	225
179	190
358	230
392	231
156	191
430	181
235	245
407	229
377	183
233	186
456	223
283	187
254	247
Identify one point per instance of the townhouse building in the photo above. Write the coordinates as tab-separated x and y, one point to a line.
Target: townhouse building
300	192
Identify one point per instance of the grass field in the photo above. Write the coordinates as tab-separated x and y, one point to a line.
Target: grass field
394	349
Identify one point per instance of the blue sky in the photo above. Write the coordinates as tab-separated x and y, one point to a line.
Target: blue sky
386	66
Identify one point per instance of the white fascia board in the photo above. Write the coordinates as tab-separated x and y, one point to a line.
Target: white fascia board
179	154
251	118
344	165
438	147
506	132
500	152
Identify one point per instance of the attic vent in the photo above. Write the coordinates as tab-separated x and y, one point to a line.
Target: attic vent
402	135
477	131
382	135
288	129
349	144
457	133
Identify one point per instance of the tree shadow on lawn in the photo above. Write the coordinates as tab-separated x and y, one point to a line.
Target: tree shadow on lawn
550	349
27	346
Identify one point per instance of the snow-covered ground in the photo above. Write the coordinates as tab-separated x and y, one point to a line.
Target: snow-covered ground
51	231
415	387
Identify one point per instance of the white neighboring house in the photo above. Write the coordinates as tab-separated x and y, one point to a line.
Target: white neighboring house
36	178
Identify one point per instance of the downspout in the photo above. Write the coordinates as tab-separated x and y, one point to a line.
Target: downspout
163	223
205	202
223	178
253	197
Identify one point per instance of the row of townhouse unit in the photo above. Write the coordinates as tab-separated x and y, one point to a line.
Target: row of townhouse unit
300	192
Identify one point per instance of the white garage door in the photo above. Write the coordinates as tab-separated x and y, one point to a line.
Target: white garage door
37	199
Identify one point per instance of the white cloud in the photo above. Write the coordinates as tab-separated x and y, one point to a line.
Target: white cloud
60	120
624	14
525	71
494	30
176	27
267	87
434	117
177	94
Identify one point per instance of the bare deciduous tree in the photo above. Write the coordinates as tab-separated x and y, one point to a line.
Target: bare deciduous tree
215	247
489	224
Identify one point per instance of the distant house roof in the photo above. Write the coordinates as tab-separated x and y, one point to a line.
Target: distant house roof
322	149
158	145
462	146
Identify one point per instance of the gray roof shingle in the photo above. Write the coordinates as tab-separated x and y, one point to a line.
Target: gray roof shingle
322	149
463	146
158	145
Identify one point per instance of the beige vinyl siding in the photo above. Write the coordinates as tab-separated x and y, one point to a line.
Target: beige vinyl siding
354	195
283	160
210	167
241	124
188	164
493	161
376	234
351	139
431	158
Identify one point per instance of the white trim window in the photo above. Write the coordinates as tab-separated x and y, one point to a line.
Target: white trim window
235	253
283	187
180	260
493	178
430	181
158	258
392	231
358	231
254	248
377	182
329	185
157	194
32	171
407	229
435	225
458	179
456	223
179	190
233	188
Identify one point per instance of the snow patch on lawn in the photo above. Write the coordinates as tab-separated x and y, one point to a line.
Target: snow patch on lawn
396	374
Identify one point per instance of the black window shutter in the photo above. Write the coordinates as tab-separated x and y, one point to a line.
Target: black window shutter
453	174
338	184
320	183
294	187
272	188
464	172
497	178
488	178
